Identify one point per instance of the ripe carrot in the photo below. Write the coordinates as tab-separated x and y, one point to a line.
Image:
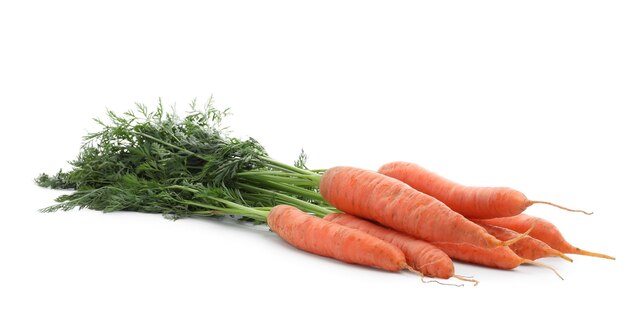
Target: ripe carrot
498	257
471	202
527	247
315	235
544	231
394	204
420	255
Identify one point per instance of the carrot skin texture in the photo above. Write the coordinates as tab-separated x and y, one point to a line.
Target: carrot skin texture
420	255
544	231
321	237
497	257
394	204
471	202
528	247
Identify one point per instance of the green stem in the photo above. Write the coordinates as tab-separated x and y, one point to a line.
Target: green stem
235	209
237	206
286	180
292	189
312	179
316	209
182	187
281	165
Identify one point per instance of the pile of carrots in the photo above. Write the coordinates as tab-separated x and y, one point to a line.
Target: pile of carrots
404	217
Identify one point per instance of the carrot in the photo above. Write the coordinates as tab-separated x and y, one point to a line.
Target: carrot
544	231
471	202
527	247
315	235
394	204
498	257
420	255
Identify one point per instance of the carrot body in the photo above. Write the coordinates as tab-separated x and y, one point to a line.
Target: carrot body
544	231
394	204
315	235
471	202
496	257
527	247
420	255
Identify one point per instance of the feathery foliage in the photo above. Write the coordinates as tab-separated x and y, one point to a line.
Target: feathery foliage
158	162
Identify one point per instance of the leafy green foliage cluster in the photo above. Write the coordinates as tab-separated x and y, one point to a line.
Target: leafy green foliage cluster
158	162
160	146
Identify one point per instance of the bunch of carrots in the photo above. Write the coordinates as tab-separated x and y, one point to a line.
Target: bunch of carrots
406	217
402	217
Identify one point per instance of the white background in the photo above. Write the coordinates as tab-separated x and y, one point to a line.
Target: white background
526	94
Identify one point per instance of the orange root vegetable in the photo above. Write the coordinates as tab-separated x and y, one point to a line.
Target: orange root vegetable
497	257
544	231
324	238
420	255
471	202
527	247
394	204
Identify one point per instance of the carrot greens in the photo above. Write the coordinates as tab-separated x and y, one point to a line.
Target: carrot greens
159	162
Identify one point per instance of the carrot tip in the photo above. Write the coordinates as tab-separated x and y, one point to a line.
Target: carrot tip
562	255
592	254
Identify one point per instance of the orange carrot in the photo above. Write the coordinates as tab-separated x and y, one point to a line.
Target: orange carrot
527	247
315	235
471	202
420	255
544	231
394	204
497	257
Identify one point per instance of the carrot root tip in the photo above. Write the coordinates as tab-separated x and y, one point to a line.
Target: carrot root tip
466	279
543	265
423	277
562	255
559	206
516	239
592	254
439	282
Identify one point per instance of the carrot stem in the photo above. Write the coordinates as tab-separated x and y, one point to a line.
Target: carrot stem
235	209
316	209
312	178
287	167
295	190
559	206
282	179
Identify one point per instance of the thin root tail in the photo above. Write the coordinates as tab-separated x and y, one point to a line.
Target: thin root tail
543	265
562	255
466	279
423	277
592	254
561	207
518	238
